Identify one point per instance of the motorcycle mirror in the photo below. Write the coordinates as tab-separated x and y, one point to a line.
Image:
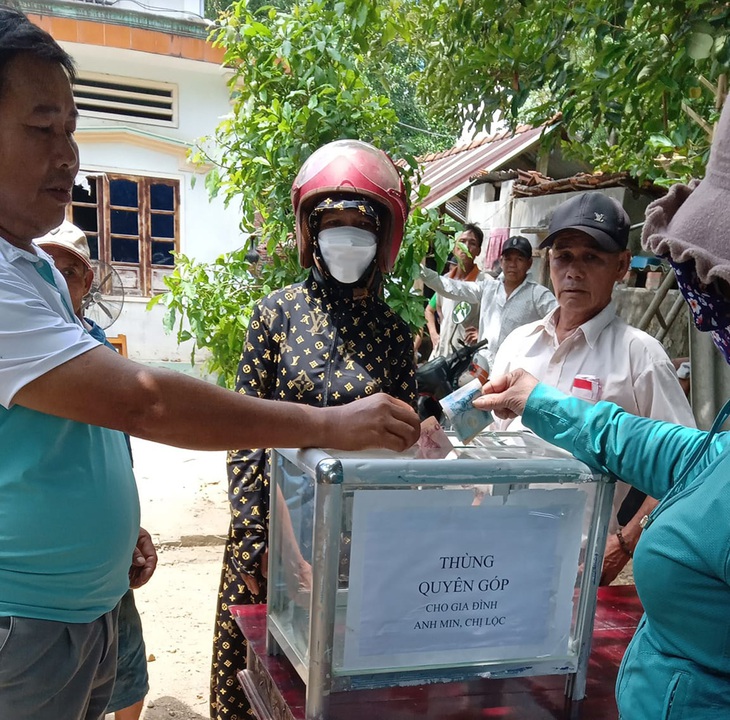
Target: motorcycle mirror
460	312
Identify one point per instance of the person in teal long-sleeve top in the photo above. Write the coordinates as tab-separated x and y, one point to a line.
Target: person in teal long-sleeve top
677	666
678	663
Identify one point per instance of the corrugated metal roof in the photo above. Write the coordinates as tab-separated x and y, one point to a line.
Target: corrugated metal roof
448	173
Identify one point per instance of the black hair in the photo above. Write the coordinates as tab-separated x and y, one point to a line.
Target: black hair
19	35
476	230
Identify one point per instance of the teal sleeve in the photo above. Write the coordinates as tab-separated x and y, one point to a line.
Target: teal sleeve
648	454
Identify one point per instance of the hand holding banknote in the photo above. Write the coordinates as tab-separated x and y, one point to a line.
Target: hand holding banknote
506	395
434	443
466	419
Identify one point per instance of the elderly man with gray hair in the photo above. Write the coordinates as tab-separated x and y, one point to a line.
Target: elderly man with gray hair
584	348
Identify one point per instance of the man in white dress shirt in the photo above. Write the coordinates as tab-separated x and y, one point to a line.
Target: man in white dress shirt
582	347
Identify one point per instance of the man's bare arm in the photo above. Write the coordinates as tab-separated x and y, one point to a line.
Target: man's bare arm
102	388
617	553
433	332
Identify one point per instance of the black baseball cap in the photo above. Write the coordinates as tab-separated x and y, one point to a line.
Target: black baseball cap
519	243
594	214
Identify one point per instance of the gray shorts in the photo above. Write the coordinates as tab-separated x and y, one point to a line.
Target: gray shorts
132	682
57	671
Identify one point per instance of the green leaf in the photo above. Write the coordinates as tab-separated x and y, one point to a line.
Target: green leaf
659	140
362	13
168	320
699	45
154	300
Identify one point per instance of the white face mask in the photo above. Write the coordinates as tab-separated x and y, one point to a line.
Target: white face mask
348	251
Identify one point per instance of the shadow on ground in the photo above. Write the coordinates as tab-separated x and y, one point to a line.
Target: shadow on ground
165	708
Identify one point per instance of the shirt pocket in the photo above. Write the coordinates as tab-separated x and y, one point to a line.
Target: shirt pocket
675	697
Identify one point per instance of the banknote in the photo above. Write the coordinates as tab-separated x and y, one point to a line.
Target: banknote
466	420
434	443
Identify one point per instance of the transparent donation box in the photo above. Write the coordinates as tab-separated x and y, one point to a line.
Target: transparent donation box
389	570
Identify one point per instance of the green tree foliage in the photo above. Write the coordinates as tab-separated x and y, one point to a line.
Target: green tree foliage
298	83
302	77
210	304
622	72
418	131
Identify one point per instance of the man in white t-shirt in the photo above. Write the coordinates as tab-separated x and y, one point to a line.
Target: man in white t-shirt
584	348
69	509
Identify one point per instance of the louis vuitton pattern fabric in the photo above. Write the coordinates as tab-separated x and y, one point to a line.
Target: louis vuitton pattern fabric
310	345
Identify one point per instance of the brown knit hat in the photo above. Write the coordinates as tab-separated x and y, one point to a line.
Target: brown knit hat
692	222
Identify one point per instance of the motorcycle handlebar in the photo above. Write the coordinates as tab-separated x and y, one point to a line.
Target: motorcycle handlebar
466	350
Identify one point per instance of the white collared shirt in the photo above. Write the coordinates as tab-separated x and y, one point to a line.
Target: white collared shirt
499	315
622	364
38	329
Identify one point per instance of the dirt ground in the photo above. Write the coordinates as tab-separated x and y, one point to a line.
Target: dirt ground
183	495
184	502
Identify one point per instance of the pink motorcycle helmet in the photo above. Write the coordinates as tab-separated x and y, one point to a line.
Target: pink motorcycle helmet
351	168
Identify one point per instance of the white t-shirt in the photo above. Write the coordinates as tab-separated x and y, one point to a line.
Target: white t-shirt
604	359
38	330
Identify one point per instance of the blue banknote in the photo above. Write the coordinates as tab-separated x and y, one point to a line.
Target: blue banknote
466	420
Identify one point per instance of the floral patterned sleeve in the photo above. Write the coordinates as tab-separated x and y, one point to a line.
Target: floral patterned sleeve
248	477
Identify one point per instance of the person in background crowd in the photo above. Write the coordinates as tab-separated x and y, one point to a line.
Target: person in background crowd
350	206
505	303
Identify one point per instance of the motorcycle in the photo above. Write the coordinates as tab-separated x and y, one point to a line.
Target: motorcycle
439	377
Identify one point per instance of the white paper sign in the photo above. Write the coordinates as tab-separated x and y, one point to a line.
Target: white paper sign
435	580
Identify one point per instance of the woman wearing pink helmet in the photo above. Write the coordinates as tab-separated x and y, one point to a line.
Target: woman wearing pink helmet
325	341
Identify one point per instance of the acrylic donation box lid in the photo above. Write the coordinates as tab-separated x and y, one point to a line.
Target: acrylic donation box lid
388	570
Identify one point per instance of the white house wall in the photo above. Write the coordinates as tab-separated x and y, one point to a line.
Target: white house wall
173	8
202	92
530	214
488	213
207	228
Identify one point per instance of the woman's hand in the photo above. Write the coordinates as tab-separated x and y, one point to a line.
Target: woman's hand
506	395
250	581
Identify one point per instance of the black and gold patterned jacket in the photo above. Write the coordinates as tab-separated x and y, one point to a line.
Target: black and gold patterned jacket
310	344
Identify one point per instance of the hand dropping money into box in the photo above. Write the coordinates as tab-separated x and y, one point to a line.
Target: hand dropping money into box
466	420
